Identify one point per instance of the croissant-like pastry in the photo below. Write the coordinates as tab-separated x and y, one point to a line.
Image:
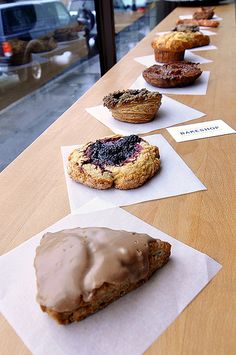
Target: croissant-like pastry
133	106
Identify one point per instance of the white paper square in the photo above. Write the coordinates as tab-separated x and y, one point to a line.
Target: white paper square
190	16
199	87
160	186
203	30
209	47
200	130
170	113
149	60
207	32
129	325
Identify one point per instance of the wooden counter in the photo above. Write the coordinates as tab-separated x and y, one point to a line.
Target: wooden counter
33	192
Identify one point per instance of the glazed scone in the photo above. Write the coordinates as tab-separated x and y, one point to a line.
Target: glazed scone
123	162
80	271
133	106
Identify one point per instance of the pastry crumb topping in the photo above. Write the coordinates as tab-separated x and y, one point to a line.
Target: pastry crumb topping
122	97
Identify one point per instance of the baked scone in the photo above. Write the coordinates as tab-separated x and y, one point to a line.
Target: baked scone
204	13
203	23
172	74
197	39
80	271
123	162
133	106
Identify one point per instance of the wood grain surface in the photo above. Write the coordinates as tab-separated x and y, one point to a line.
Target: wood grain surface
33	193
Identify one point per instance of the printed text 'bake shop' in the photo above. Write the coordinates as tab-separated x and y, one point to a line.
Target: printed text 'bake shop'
199	130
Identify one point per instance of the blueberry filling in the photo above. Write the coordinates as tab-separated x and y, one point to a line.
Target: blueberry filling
113	151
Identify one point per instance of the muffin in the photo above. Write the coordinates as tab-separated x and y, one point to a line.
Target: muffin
172	74
170	47
133	106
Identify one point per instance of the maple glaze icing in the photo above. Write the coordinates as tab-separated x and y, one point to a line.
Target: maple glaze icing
74	262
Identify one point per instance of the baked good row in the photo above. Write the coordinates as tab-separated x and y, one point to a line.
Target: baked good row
82	270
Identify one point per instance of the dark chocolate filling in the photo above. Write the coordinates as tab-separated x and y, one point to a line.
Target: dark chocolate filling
113	151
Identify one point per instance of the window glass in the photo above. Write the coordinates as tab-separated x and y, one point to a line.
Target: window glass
49	59
18	19
62	14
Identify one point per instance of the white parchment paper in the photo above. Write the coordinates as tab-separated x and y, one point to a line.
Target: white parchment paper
149	60
190	16
160	186
209	47
126	327
170	113
205	32
199	87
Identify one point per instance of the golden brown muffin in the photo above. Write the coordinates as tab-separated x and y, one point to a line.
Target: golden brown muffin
123	162
172	45
80	271
133	106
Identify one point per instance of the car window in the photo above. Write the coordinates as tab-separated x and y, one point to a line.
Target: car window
62	14
19	18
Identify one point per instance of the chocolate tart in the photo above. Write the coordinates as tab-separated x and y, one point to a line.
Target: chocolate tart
172	74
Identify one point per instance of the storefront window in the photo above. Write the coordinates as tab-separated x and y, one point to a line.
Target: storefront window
49	58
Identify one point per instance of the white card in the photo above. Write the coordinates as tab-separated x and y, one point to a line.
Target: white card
149	60
200	130
127	326
162	185
190	16
199	87
170	113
